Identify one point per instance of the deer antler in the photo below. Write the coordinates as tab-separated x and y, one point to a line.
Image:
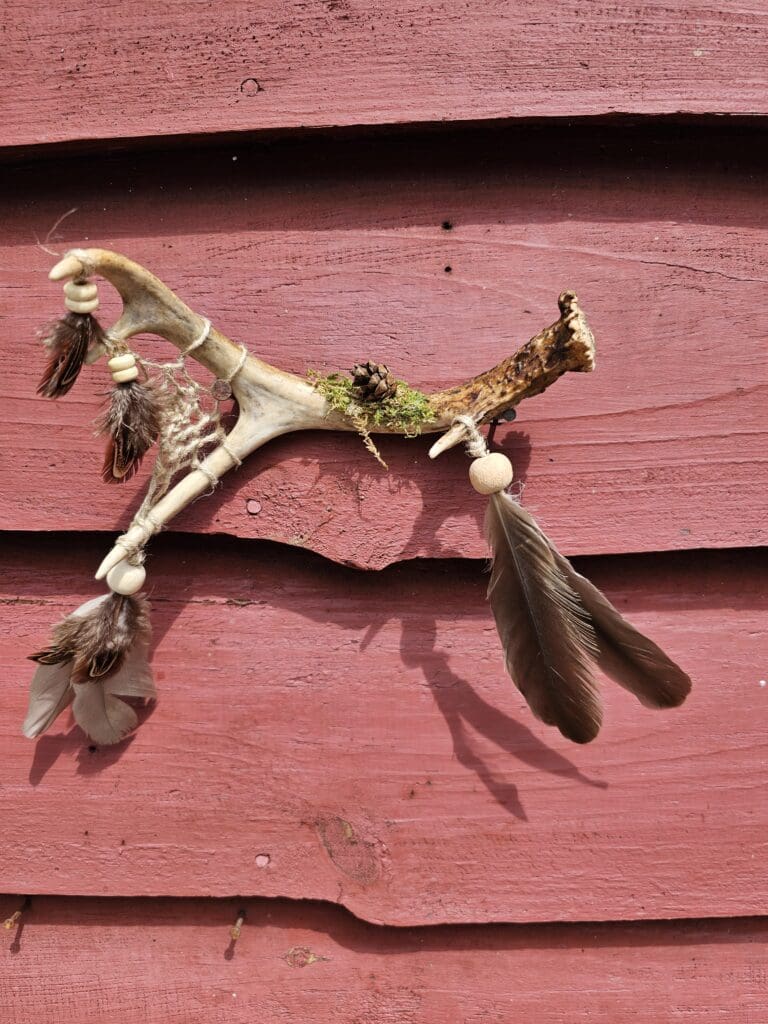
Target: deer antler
272	402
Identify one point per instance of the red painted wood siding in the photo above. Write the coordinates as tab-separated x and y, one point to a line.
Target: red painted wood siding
330	734
360	731
207	66
327	254
171	962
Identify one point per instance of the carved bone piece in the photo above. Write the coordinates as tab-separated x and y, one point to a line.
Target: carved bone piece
272	402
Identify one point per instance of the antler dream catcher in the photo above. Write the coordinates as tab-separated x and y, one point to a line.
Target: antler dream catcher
553	623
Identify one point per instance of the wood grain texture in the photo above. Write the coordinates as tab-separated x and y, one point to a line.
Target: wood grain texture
325	733
321	254
243	66
170	962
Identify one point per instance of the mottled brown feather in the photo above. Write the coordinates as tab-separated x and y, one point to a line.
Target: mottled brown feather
132	423
623	653
68	341
545	634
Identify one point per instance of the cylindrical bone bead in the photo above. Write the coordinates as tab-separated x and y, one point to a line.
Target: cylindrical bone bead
83	292
491	473
124	362
88	306
123	376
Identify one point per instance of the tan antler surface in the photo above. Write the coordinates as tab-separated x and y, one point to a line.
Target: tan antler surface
273	402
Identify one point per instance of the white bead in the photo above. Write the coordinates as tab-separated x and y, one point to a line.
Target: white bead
81	292
491	473
123	376
124	362
126	579
81	307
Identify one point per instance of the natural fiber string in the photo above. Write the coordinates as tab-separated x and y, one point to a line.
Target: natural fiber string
475	443
187	429
240	364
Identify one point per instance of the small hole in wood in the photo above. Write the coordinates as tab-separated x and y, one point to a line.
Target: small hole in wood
448	269
447	225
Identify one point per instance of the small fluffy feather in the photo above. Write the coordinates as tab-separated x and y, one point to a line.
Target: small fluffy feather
68	341
132	422
545	634
97	636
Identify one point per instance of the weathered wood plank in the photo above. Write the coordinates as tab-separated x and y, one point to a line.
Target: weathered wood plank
325	733
316	257
243	66
163	961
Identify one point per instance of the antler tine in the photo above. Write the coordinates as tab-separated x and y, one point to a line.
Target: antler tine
149	306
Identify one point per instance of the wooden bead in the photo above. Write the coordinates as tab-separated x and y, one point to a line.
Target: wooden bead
123	376
126	579
81	292
81	307
124	362
491	473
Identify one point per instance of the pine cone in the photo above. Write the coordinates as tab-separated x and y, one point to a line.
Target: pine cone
373	381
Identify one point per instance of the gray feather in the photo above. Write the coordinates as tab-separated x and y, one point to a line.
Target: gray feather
49	694
101	715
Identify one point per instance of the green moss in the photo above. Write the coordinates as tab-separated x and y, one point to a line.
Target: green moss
405	412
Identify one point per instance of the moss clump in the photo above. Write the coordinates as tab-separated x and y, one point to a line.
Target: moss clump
405	412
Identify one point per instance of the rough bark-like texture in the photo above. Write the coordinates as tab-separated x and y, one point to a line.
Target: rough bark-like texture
360	732
192	68
318	255
171	962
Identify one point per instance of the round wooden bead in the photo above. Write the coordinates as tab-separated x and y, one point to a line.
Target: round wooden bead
81	292
123	376
124	362
491	473
126	579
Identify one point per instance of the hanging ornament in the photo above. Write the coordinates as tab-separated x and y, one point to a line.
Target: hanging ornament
553	623
131	420
97	655
71	338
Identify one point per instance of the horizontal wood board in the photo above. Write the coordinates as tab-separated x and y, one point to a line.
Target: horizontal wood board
440	256
326	733
171	962
77	71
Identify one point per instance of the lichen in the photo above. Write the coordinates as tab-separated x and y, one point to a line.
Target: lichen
405	412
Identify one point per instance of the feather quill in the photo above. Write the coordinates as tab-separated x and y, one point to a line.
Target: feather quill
132	423
623	653
546	636
68	341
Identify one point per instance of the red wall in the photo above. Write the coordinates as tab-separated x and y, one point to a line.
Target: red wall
334	722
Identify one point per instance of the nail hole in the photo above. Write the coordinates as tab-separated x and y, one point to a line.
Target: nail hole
447	225
448	269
